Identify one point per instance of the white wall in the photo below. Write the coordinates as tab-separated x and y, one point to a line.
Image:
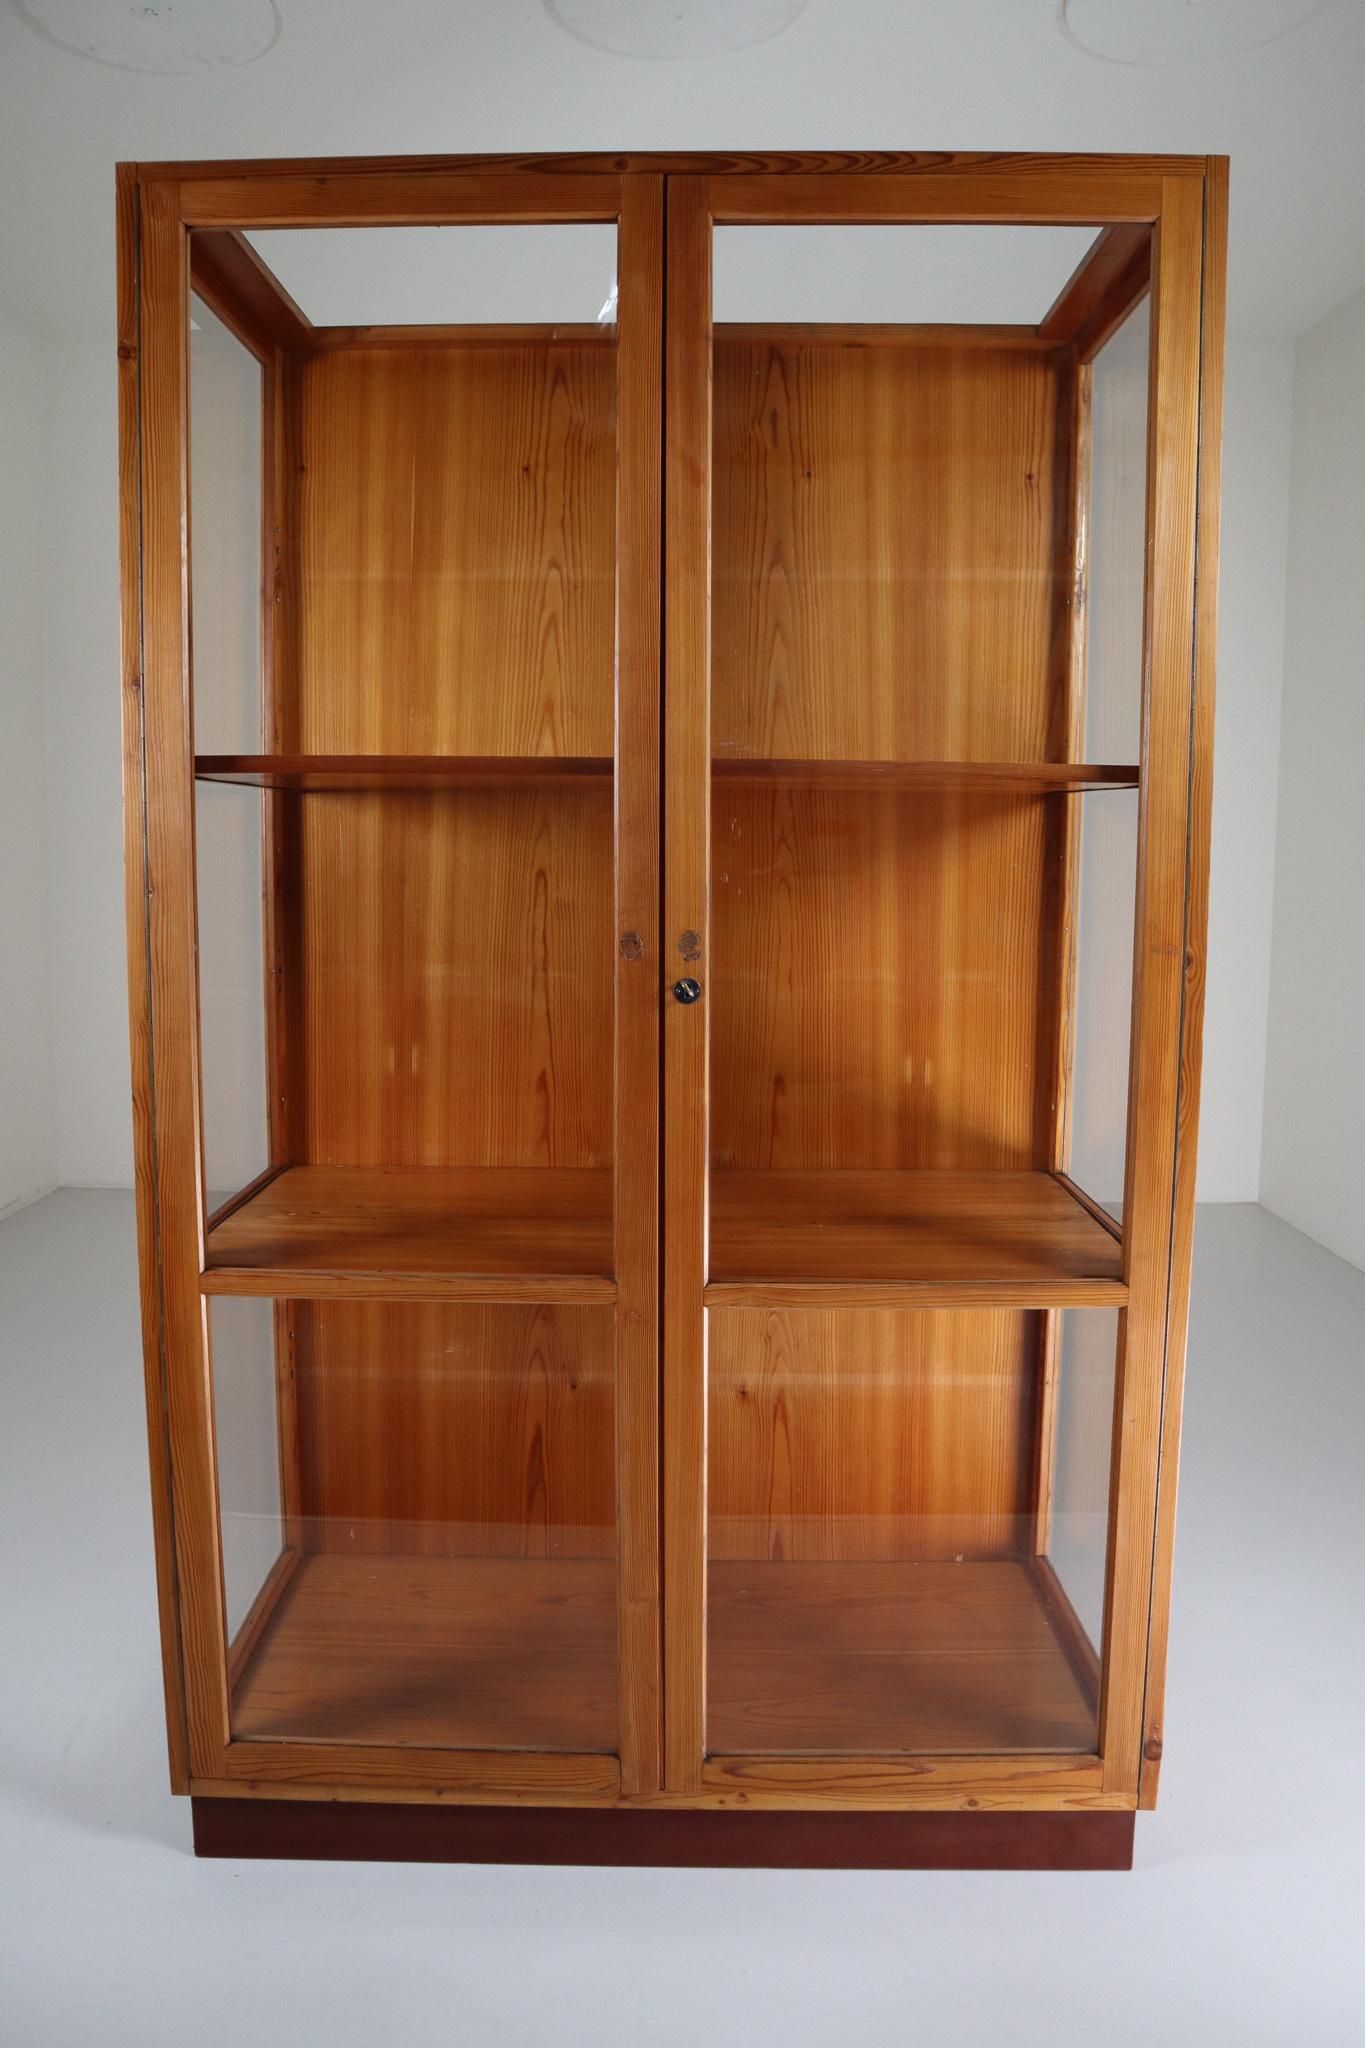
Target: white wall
1313	1171
89	1030
89	1027
1257	402
28	1144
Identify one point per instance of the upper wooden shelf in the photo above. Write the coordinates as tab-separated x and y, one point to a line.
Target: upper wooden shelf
396	771
1026	777
539	1234
907	1239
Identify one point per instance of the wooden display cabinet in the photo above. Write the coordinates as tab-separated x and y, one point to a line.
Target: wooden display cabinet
667	856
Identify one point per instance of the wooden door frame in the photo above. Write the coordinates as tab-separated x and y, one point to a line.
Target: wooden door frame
1181	203
159	206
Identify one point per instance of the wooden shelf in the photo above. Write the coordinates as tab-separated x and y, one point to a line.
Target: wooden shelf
397	771
538	1234
1025	778
450	1652
901	1239
830	1658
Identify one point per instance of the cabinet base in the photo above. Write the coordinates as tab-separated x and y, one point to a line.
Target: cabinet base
336	1831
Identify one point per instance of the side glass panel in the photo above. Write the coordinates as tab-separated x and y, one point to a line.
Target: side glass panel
405	800
1104	886
226	470
923	814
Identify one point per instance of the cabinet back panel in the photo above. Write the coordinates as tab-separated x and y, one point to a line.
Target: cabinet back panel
890	578
867	1435
878	960
456	550
455	1430
454	977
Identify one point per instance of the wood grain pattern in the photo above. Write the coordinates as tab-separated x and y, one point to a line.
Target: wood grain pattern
885	582
484	1233
455	980
877	978
1160	970
456	1430
1112	274
636	1103
457	532
1213	324
1046	190
559	164
170	925
227	272
687	909
852	1436
824	1658
136	913
443	1652
936	1231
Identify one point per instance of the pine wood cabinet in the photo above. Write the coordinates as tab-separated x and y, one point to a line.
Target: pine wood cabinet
667	709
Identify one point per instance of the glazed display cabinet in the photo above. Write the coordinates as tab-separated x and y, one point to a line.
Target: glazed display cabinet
667	708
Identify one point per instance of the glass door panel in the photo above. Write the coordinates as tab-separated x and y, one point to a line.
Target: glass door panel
925	678
418	1522
907	1527
405	794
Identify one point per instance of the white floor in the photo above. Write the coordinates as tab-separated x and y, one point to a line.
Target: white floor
1244	1922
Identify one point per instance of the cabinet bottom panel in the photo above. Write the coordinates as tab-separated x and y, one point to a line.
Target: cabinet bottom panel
333	1831
809	1659
450	1652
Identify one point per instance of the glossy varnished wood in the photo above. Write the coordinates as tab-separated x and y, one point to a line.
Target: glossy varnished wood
1212	333
686	941
454	978
136	911
858	1435
877	977
445	1652
885	585
1160	973
457	531
936	1237
457	1429
482	1233
829	1657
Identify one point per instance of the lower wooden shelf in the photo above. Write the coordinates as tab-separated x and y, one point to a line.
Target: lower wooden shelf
897	1238
447	1652
802	1659
538	1234
832	1658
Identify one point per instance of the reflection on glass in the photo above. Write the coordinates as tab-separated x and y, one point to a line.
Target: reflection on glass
418	1522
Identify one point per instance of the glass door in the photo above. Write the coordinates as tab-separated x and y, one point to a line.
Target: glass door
909	620
414	1236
